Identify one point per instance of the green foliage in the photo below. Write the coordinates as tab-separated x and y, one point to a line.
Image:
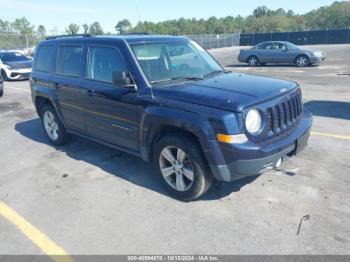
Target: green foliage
123	26
41	31
72	29
85	28
22	26
263	19
96	29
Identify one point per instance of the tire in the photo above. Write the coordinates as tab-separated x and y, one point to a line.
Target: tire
4	75
1	93
253	61
302	61
187	176
53	127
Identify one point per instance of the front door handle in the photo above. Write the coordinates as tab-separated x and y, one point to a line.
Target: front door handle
91	92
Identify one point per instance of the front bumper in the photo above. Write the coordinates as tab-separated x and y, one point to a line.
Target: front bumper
18	74
317	59
251	167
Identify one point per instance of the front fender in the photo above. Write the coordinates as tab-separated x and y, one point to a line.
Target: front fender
155	117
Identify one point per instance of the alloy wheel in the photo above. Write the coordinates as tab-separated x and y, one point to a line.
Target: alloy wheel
302	61
51	126
176	168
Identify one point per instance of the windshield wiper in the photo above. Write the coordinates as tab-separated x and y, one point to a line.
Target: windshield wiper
215	72
193	78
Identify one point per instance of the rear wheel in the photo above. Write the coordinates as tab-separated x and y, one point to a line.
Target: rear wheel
253	61
182	167
53	127
302	61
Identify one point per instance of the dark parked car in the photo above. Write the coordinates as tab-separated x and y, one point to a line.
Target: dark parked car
280	52
166	100
14	66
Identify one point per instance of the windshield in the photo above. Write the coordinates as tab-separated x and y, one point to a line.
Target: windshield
170	61
13	57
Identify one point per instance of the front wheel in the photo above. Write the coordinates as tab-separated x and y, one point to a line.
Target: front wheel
182	167
4	75
53	127
302	61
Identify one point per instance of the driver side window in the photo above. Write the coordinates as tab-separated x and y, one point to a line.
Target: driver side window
103	61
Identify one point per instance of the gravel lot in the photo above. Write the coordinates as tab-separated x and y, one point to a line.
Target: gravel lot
90	199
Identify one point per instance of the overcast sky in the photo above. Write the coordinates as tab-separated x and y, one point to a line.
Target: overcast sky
59	14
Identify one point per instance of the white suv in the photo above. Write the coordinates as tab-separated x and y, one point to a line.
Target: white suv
15	66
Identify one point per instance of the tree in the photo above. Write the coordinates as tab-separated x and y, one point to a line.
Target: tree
22	26
72	29
5	27
85	28
260	11
123	26
41	31
96	29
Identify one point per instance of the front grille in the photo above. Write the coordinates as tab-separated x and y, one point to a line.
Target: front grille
282	116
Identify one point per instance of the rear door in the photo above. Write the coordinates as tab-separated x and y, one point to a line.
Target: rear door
67	80
264	52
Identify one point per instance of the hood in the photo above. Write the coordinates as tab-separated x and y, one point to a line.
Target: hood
19	64
233	92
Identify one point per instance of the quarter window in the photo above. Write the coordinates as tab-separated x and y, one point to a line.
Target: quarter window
103	61
44	58
69	60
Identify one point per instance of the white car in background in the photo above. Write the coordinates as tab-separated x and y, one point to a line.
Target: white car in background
15	66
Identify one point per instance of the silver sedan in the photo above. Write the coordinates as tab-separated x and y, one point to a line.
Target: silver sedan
280	52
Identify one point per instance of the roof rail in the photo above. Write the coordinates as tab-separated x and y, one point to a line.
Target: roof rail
136	33
63	36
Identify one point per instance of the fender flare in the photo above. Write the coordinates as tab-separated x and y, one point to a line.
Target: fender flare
154	118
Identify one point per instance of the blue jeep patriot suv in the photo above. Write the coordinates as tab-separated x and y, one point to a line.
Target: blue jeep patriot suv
166	100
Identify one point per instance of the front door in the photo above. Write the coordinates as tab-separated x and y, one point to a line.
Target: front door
112	112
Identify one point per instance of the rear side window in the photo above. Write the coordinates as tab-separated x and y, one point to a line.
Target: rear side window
44	58
103	61
69	60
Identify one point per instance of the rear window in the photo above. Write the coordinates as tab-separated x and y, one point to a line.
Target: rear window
44	58
69	60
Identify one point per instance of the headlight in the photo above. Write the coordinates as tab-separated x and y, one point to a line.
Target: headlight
8	67
253	121
318	54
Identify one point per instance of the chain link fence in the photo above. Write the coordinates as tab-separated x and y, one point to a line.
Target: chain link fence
314	37
26	43
209	41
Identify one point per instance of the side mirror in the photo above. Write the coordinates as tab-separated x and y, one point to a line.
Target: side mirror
122	78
